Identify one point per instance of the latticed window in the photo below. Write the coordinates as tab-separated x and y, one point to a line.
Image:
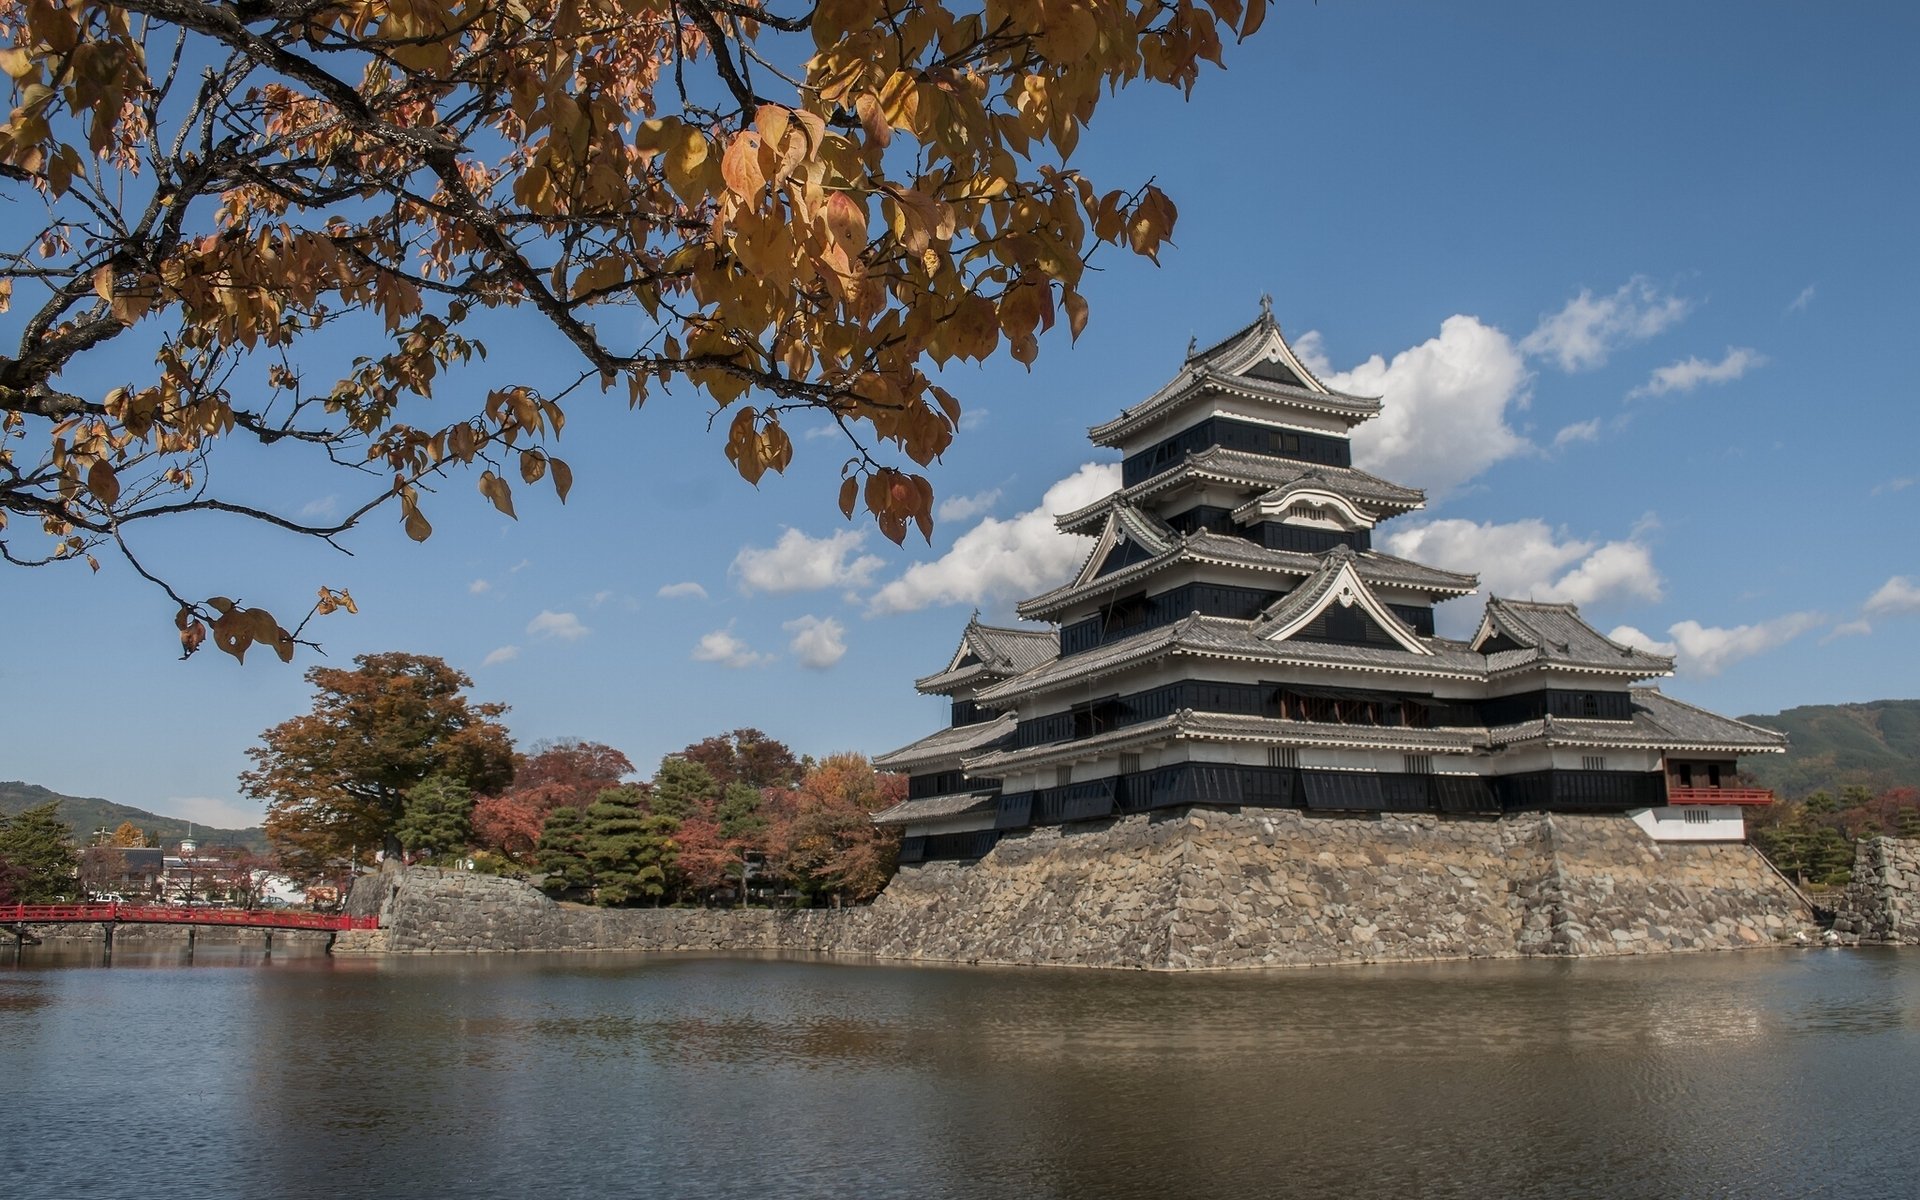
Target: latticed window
1593	762
1062	776
1283	756
1129	763
1696	816
1419	764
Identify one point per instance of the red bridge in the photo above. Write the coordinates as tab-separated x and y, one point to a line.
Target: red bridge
156	914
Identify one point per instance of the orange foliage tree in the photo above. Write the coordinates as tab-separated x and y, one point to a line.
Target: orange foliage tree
821	837
790	205
336	779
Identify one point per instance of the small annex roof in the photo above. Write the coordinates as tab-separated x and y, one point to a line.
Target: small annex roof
935	808
1126	525
1659	722
1256	363
1206	547
1254	473
1516	634
1338	582
1190	725
990	652
944	747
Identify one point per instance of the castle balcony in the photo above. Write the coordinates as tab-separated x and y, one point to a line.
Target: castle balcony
1754	797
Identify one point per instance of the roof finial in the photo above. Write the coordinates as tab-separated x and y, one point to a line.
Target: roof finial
1266	305
1193	345
975	619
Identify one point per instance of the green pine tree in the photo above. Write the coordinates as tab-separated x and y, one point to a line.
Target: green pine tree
681	788
561	852
37	857
437	818
628	849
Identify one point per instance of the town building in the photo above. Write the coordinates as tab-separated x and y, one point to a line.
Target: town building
1235	640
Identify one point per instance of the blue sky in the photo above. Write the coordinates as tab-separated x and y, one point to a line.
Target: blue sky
1636	282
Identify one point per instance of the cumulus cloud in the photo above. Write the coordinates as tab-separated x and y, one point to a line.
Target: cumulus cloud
1690	373
479	587
1446	419
675	591
1001	560
798	563
1708	649
1897	595
504	654
964	508
562	625
1589	328
1528	559
818	642
1584	431
722	647
213	812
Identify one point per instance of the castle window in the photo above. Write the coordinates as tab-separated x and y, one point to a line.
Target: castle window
1129	764
1283	756
1593	762
1696	816
1062	776
1419	764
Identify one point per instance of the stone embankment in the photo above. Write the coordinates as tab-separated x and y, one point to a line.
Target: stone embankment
1198	889
1882	904
159	937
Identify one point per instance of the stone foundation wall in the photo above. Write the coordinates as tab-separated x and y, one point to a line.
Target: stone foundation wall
1198	889
1882	904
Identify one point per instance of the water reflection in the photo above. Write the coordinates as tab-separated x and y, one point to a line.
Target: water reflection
1753	1074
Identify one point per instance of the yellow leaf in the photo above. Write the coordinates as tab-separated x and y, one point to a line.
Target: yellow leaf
849	492
532	466
103	483
562	478
417	527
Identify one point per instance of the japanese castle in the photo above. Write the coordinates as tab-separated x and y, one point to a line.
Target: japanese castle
1234	640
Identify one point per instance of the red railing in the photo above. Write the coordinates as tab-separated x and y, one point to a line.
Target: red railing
155	914
1713	795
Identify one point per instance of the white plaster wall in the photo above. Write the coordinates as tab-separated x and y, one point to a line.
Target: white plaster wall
1724	823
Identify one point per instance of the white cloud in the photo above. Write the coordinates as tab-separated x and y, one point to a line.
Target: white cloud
674	591
212	811
798	563
1581	335
722	647
1527	559
479	587
1583	431
1690	373
1627	635
562	625
972	419
1894	485
818	642
504	654
1445	419
815	432
600	597
1801	301
520	566
1002	560
963	508
1897	595
1708	650
1859	628
325	506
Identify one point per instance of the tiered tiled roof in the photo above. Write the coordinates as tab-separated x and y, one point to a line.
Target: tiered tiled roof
1245	469
933	808
1381	570
1256	362
1516	634
945	746
1659	722
998	652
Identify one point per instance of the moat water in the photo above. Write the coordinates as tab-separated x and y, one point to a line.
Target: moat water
1769	1073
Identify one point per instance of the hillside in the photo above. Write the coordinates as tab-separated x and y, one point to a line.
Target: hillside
88	813
1875	745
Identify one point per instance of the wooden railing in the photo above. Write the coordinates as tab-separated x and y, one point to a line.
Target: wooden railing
155	914
1713	795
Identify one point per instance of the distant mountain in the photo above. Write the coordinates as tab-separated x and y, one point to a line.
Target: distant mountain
88	813
1875	745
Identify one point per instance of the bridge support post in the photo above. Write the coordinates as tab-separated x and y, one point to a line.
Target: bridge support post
269	943
106	928
190	943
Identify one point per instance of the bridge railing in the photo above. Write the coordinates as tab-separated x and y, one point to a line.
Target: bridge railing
156	914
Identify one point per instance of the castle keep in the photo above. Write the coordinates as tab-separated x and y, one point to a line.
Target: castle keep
1235	642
